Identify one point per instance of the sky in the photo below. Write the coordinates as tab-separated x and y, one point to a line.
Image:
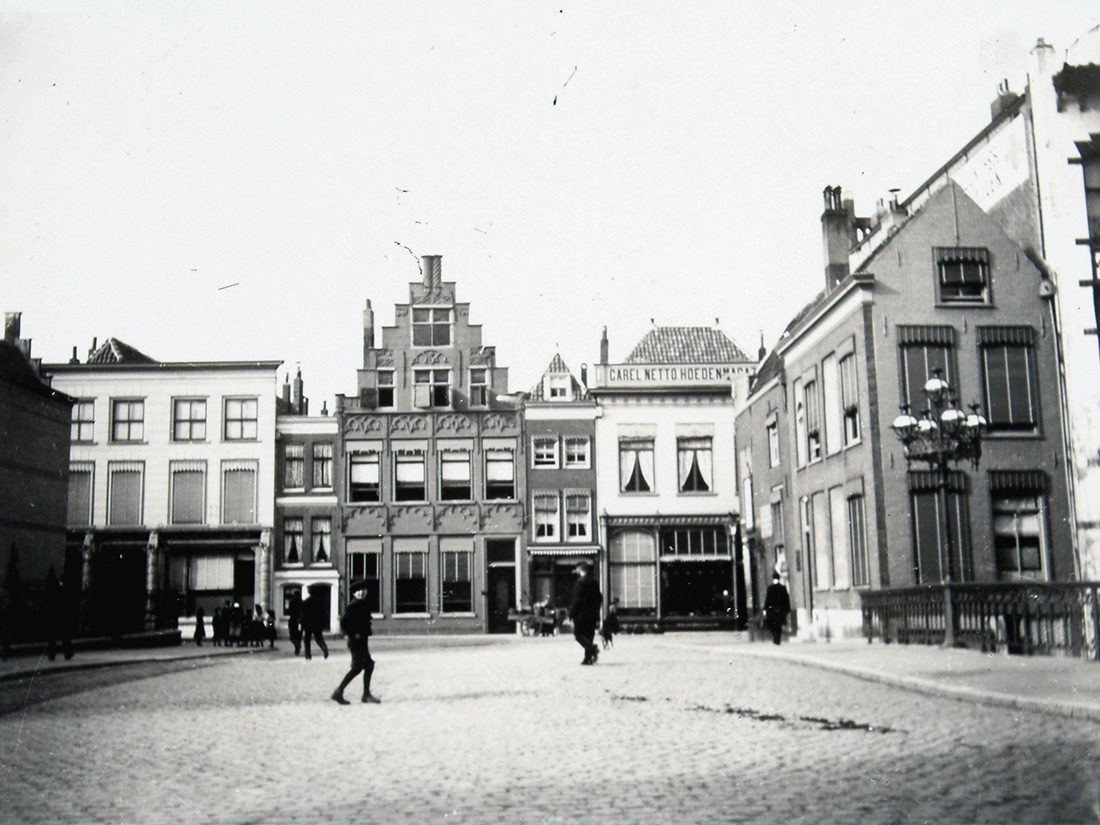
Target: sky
232	181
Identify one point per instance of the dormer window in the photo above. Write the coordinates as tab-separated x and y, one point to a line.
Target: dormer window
558	388
431	327
962	274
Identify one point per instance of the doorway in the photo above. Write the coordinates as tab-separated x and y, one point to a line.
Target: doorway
501	584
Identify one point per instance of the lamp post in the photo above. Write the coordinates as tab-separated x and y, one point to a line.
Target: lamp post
941	435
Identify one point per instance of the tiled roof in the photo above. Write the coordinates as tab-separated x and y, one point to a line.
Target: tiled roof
16	370
686	345
557	366
114	351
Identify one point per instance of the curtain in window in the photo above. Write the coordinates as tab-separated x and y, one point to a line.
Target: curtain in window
410	469
125	495
636	464
364	469
322	540
188	487
80	496
498	465
694	464
292	540
1008	387
456	466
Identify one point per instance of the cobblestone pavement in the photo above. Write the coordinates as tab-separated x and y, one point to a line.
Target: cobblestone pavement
518	732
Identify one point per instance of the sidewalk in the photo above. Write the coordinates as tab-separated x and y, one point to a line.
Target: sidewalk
1060	685
18	667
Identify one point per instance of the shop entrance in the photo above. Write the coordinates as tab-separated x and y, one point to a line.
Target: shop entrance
696	588
501	584
118	582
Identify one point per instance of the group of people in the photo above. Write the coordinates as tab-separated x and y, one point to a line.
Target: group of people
232	625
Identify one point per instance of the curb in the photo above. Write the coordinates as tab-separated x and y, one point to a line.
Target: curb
926	687
68	668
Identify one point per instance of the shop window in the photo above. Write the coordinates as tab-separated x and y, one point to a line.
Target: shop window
632	557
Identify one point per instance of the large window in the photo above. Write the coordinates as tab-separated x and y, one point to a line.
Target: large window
320	531
431	327
479	387
432	388
830	402
385	388
812	408
411	579
293	534
930	552
189	419
500	474
294	466
364	562
241	419
81	475
577	451
454	475
962	275
636	465
773	444
840	537
1019	523
923	351
127	420
239	492
322	465
188	503
125	492
799	423
694	463
578	515
547	516
849	399
633	557
1008	378
455	574
857	540
83	421
365	477
409	476
694	541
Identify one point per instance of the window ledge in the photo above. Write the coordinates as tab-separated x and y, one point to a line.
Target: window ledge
462	615
696	493
294	489
241	440
964	305
1012	435
587	466
639	493
292	565
852	444
184	441
411	616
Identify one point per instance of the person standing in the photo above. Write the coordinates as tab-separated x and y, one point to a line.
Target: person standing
200	626
294	621
312	622
777	604
585	612
356	624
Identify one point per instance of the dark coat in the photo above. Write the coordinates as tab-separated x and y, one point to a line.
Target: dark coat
311	618
777	602
587	601
356	620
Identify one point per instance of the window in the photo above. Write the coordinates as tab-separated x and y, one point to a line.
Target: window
409	476
294	466
432	388
799	423
778	525
578	516
366	564
241	421
1008	378
239	492
930	561
963	274
80	494
813	421
500	474
576	452
558	386
773	444
322	465
839	536
385	388
694	541
830	399
857	540
127	420
454	475
1019	523
547	516
431	327
633	568
544	451
693	457
849	399
923	350
321	534
293	532
411	581
189	419
188	505
83	421
365	477
479	387
124	491
636	465
806	517
456	585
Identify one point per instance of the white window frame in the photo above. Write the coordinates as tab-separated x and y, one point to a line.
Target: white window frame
316	535
374	457
538	521
424	391
545	463
115	467
175	467
298	459
237	465
584	464
579	539
301	534
431	323
423	457
449	547
482	386
485	464
468	456
318	463
191	421
243	420
129	422
79	422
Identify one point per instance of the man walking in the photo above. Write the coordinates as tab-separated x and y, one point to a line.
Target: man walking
312	622
585	612
356	623
777	604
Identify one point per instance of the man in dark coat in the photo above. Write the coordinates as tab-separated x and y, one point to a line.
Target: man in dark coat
777	604
294	621
356	623
312	622
585	612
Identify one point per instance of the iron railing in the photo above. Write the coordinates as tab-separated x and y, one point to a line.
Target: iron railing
1015	617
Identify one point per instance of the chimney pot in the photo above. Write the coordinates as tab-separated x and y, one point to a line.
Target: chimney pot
603	347
74	359
11	326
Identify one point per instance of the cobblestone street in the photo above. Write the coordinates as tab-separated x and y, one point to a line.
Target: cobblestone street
516	731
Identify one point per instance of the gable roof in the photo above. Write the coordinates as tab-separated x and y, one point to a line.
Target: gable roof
114	351
686	345
16	370
557	366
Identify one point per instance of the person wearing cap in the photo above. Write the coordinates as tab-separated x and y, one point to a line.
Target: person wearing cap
777	604
585	612
356	624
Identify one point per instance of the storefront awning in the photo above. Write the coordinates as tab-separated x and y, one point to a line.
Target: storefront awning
697	557
563	551
668	521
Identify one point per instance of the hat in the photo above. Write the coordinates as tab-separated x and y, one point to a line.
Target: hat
357	585
584	565
776	577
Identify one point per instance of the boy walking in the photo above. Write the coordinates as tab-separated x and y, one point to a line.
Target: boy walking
356	624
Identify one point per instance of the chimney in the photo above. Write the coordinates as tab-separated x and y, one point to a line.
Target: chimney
11	326
368	327
836	226
761	353
74	359
296	393
324	408
432	266
95	346
1005	98
603	347
286	390
584	376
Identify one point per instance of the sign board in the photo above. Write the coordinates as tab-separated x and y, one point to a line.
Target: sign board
654	376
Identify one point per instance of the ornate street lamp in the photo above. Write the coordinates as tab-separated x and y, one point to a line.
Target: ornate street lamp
941	435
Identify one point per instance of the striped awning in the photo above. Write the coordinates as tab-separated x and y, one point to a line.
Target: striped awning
668	521
676	559
926	334
563	551
1004	481
927	481
1019	336
971	254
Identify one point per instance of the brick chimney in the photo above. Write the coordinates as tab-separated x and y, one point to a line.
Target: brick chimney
368	327
432	265
603	347
286	390
836	227
11	326
1005	98
296	393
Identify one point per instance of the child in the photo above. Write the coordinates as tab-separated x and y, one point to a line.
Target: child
610	625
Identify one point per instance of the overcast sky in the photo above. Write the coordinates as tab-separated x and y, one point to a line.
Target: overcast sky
234	180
